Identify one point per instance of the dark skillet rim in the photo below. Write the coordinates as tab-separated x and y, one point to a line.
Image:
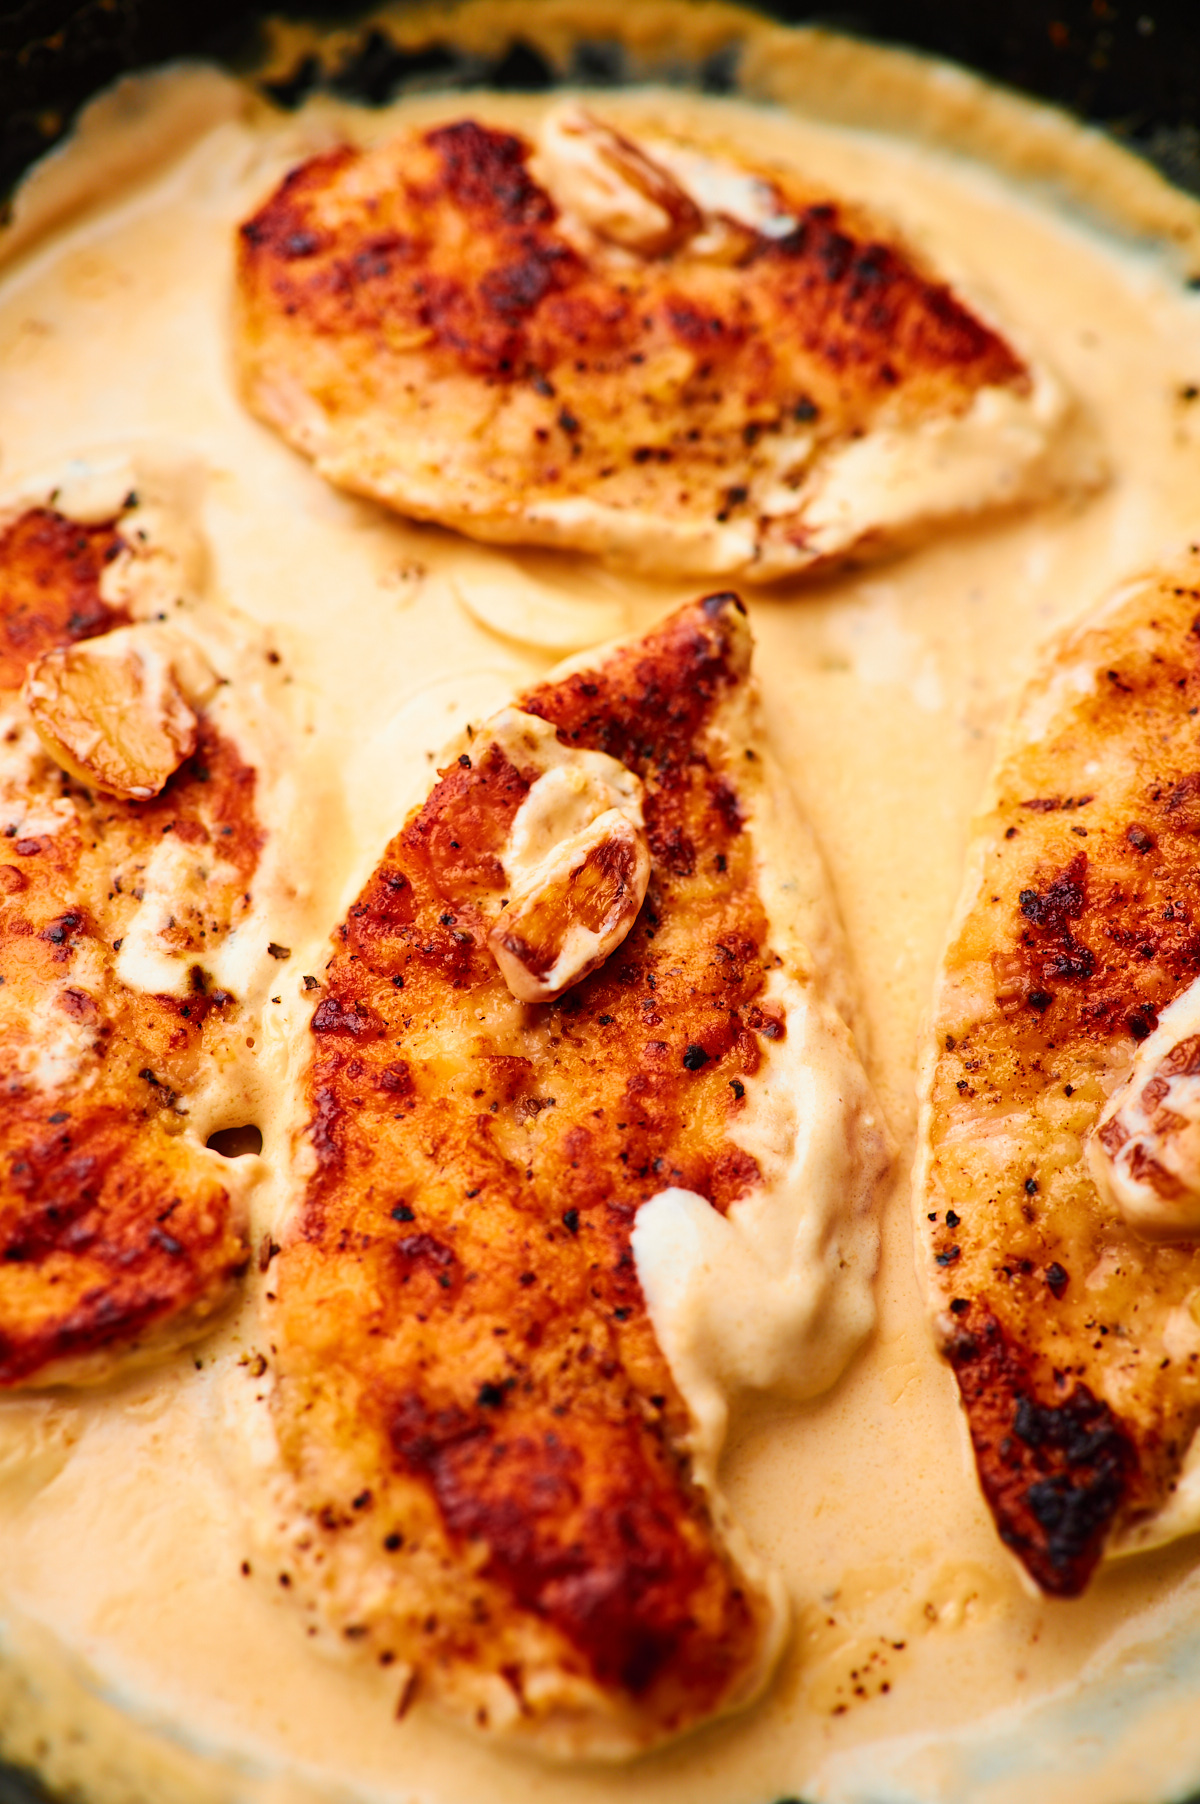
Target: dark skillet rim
1133	68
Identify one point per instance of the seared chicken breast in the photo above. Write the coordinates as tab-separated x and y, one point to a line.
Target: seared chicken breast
554	1000
129	851
647	348
1058	1198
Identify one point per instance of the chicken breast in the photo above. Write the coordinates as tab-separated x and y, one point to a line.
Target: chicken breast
122	879
1057	1189
495	1447
651	349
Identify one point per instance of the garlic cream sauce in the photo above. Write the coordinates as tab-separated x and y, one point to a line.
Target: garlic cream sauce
137	1660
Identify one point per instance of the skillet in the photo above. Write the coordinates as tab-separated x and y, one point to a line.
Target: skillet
1133	71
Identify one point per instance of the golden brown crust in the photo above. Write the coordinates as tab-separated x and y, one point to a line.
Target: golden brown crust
112	1228
51	572
419	317
462	1341
1082	928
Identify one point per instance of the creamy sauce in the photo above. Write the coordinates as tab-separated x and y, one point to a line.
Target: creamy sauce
137	1660
775	1296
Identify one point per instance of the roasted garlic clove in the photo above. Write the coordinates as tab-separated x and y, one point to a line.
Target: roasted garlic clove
111	711
608	183
576	862
575	909
569	789
1144	1152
